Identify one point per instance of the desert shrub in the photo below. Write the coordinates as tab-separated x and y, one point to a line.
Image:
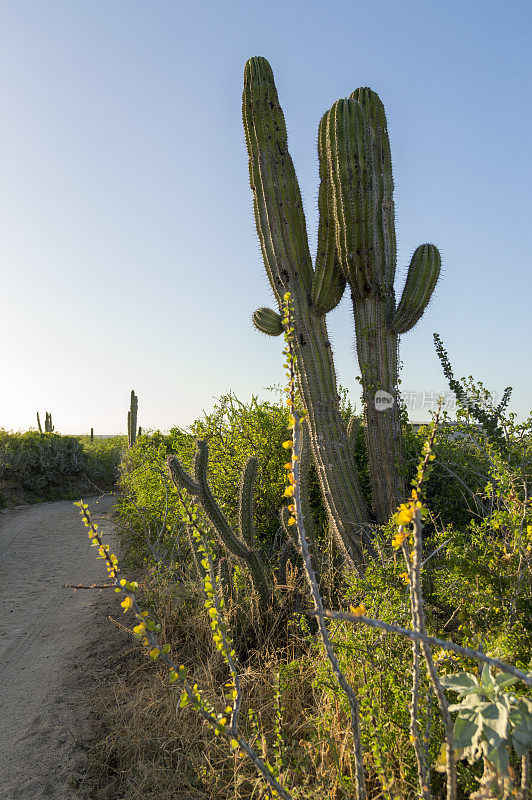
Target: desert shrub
41	466
477	593
234	431
48	466
103	457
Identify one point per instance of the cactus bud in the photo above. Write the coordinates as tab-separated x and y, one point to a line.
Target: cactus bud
268	321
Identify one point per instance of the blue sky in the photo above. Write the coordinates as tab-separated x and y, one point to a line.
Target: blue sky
127	242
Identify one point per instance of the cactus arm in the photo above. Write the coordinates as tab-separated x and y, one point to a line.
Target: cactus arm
211	507
277	200
201	489
348	149
245	501
328	284
360	174
181	478
421	280
268	321
39	423
381	187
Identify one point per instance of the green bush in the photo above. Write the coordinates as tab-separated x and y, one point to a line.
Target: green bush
48	466
234	432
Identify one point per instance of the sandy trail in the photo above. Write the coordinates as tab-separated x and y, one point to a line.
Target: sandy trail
45	634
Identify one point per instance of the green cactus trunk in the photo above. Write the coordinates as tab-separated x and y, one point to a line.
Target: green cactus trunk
377	350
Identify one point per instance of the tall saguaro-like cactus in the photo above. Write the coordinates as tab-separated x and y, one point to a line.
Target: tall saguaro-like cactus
132	419
356	246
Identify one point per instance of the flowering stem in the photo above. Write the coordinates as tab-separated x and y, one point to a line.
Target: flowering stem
296	418
146	630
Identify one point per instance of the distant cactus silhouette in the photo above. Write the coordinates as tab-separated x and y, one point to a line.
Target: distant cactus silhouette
132	419
48	426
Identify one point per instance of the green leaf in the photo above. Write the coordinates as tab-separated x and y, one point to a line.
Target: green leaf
461	682
505	679
474	702
521	720
486	679
520	748
495	719
498	757
465	730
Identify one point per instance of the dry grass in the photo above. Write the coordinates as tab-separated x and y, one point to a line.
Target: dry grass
147	748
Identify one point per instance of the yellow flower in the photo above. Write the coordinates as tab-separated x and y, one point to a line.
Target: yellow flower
288	444
358	611
126	603
292	521
154	653
398	539
289	491
405	578
405	516
140	628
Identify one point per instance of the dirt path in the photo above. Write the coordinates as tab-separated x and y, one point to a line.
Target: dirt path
46	634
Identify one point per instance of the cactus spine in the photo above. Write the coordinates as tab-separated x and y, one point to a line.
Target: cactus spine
132	419
356	246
